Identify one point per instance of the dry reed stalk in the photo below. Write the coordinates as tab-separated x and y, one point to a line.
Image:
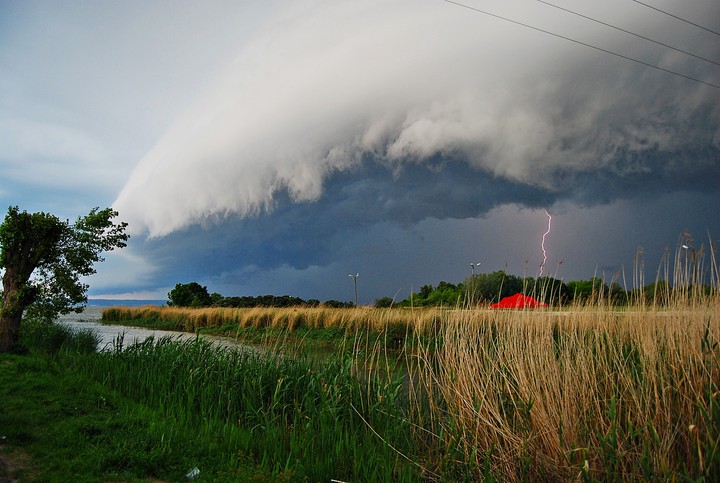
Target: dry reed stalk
552	386
291	318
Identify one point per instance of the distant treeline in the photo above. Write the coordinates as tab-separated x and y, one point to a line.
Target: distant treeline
195	295
484	288
274	301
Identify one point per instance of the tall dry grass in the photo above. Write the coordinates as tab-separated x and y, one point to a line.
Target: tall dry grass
362	318
591	392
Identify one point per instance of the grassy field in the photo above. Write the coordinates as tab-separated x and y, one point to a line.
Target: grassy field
590	393
59	425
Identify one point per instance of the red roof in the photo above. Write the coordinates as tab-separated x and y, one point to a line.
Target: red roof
518	301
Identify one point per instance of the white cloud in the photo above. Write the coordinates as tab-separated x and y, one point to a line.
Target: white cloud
122	270
404	81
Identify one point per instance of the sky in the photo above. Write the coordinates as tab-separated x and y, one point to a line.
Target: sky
276	147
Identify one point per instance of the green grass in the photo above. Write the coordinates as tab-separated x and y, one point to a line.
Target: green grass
300	416
56	424
75	429
162	407
300	340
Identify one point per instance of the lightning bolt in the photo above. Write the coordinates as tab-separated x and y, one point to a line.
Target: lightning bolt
542	243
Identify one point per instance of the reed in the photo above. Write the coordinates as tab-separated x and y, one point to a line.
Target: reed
301	417
349	320
591	392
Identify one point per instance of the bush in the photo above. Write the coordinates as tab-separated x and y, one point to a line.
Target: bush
50	338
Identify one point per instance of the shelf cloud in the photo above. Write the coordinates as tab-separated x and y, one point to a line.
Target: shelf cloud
332	90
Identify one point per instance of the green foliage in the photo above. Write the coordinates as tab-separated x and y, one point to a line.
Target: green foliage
74	429
588	290
445	294
491	287
549	290
383	303
195	295
189	295
313	419
336	304
44	259
37	335
57	253
486	288
263	301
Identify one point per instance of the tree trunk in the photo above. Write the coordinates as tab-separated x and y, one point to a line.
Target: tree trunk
15	299
9	331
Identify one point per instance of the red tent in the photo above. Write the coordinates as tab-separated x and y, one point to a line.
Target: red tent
518	301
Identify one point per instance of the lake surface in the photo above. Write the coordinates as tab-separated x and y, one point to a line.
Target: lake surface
108	333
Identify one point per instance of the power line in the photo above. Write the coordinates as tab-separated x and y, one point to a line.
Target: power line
679	18
628	32
579	42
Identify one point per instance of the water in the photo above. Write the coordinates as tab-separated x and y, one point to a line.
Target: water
90	319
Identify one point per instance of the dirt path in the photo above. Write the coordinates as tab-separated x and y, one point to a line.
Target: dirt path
12	460
4	472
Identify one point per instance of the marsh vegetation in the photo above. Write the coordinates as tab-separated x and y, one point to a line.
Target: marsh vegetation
589	391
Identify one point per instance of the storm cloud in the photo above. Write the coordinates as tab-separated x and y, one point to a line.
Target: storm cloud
466	110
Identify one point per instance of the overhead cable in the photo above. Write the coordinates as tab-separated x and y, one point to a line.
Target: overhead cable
580	42
676	17
628	32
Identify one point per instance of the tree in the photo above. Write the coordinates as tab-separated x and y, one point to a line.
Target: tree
383	303
189	295
216	299
44	258
588	291
445	293
487	287
336	304
549	290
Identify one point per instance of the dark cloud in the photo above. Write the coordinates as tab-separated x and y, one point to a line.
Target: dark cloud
370	216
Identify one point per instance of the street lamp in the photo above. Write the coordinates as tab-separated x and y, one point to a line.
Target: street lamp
473	265
355	277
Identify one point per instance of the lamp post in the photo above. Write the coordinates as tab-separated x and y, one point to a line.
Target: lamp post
355	277
472	267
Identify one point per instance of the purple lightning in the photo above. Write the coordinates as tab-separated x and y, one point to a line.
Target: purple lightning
542	244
